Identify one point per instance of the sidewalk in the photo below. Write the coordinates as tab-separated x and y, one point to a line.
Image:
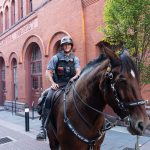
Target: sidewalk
14	126
118	138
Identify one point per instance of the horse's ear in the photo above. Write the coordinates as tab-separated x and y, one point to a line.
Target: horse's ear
111	54
103	44
114	59
106	48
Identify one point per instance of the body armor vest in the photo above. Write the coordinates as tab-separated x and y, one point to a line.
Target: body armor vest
65	68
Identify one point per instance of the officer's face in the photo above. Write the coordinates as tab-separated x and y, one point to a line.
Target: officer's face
67	48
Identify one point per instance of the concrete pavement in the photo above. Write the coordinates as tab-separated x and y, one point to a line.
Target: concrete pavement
13	127
20	141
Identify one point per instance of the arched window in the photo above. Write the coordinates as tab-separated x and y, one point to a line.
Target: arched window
13	12
1	22
6	18
36	66
33	72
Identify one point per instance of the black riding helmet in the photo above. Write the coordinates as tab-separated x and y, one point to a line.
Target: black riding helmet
66	40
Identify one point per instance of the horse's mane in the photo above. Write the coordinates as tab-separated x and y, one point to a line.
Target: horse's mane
127	65
94	62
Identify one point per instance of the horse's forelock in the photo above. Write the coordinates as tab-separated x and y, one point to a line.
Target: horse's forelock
127	65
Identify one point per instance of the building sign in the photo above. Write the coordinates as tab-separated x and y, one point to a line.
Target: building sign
21	31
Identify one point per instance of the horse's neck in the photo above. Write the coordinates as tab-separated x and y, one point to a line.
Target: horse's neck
90	93
87	89
91	97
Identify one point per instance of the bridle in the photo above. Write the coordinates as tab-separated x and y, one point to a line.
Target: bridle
123	106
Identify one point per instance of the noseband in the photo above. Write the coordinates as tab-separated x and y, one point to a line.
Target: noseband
123	106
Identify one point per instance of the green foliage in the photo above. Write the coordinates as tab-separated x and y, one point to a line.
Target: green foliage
129	21
145	75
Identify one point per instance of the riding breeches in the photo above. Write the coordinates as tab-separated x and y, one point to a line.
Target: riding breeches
48	100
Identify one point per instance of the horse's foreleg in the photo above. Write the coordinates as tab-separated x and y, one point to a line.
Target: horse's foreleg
53	142
54	147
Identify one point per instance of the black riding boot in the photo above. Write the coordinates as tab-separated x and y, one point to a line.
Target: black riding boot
41	101
43	132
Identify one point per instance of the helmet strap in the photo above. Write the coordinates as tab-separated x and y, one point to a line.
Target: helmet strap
67	52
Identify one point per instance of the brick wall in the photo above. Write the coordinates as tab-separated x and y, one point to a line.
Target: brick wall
45	26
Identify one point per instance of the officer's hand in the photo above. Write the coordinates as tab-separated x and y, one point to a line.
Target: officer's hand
54	86
73	79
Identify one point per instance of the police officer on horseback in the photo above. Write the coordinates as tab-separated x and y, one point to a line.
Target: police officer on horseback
63	67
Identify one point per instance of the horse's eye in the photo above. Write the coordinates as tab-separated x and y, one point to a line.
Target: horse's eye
122	80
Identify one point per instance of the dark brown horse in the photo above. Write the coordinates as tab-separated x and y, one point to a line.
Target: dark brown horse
77	118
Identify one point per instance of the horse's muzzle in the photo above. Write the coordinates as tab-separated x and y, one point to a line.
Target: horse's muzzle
136	128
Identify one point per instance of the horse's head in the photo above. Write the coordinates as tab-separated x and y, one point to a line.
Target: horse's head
122	92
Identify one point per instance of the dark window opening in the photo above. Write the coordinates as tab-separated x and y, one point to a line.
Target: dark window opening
30	6
1	22
3	77
36	66
35	82
13	12
6	18
21	13
36	60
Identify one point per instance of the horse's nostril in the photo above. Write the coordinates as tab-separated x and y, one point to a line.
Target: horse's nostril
141	126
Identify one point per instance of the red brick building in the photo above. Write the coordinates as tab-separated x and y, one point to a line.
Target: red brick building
30	33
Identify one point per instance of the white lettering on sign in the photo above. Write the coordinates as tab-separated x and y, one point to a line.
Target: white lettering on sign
21	31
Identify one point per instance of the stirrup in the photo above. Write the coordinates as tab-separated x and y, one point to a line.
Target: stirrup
42	135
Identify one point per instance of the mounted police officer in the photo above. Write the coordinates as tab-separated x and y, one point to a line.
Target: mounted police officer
63	67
